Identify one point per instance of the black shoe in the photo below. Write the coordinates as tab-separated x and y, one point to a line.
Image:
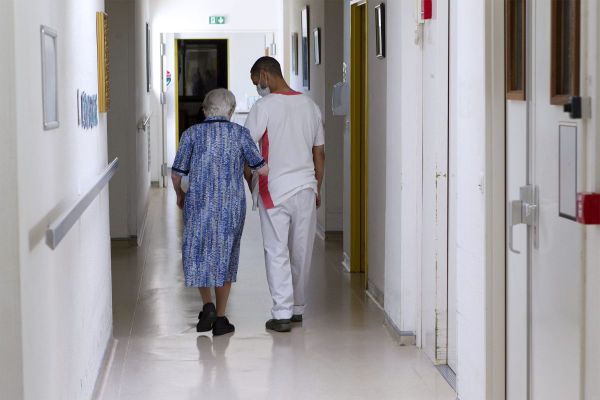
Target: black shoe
206	318
296	318
222	327
279	325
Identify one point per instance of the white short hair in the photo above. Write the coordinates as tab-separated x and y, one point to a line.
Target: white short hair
219	103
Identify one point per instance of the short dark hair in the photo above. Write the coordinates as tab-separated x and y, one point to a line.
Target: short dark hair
268	64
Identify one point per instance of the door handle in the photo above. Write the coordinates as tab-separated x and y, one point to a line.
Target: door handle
522	211
515	217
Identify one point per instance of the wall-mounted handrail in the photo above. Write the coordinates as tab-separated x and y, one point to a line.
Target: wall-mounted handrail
61	226
144	123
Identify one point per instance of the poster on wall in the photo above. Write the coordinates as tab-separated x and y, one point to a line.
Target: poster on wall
103	62
380	31
148	60
317	45
295	53
49	78
87	110
305	49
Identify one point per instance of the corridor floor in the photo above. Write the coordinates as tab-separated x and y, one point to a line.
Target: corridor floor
342	350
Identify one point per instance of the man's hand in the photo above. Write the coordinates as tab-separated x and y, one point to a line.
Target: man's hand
319	161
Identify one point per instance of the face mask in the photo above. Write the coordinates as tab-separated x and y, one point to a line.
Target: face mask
262	92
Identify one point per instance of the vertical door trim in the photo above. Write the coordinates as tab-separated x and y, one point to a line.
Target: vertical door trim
495	203
358	135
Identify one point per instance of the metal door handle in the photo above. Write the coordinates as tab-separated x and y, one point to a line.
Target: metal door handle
522	211
515	217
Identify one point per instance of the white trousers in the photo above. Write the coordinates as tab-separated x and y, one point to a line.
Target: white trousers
288	237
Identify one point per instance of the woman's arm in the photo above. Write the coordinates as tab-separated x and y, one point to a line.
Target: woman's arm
178	190
253	158
248	176
182	164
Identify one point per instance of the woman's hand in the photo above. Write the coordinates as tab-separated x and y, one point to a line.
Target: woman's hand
177	186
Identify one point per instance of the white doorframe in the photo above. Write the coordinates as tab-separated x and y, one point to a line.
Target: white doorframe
495	200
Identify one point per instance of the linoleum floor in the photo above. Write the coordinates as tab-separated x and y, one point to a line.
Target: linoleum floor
342	350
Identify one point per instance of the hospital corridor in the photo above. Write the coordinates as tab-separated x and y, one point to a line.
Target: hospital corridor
300	199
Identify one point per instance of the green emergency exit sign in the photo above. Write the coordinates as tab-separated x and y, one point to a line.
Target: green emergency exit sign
217	20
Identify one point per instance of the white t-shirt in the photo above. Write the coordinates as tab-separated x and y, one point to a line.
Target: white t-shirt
287	126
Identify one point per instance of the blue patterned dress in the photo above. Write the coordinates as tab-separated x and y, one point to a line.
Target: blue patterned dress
213	154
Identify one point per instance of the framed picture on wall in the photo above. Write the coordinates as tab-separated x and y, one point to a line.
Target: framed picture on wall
305	49
103	62
148	60
49	78
295	53
317	45
380	30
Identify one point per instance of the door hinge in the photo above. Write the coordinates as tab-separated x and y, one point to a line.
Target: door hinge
163	49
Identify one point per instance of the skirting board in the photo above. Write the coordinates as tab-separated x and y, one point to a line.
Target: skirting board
107	360
448	374
376	295
320	232
405	338
328	235
346	262
142	228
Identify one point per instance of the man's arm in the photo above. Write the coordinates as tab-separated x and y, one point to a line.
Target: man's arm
177	186
319	161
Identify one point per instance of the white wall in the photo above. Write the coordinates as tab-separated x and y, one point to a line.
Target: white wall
328	16
377	155
403	165
346	178
468	125
65	293
142	109
332	53
130	103
121	119
192	17
11	365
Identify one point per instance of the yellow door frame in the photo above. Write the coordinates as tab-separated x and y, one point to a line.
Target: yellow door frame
176	83
359	133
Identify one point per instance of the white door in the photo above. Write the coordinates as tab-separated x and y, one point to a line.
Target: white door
545	279
434	273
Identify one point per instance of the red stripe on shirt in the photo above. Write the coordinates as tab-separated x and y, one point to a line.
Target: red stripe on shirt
288	93
263	181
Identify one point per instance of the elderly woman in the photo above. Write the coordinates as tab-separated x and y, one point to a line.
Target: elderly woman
213	154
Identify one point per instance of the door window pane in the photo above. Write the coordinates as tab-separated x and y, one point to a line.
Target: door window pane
515	49
565	50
